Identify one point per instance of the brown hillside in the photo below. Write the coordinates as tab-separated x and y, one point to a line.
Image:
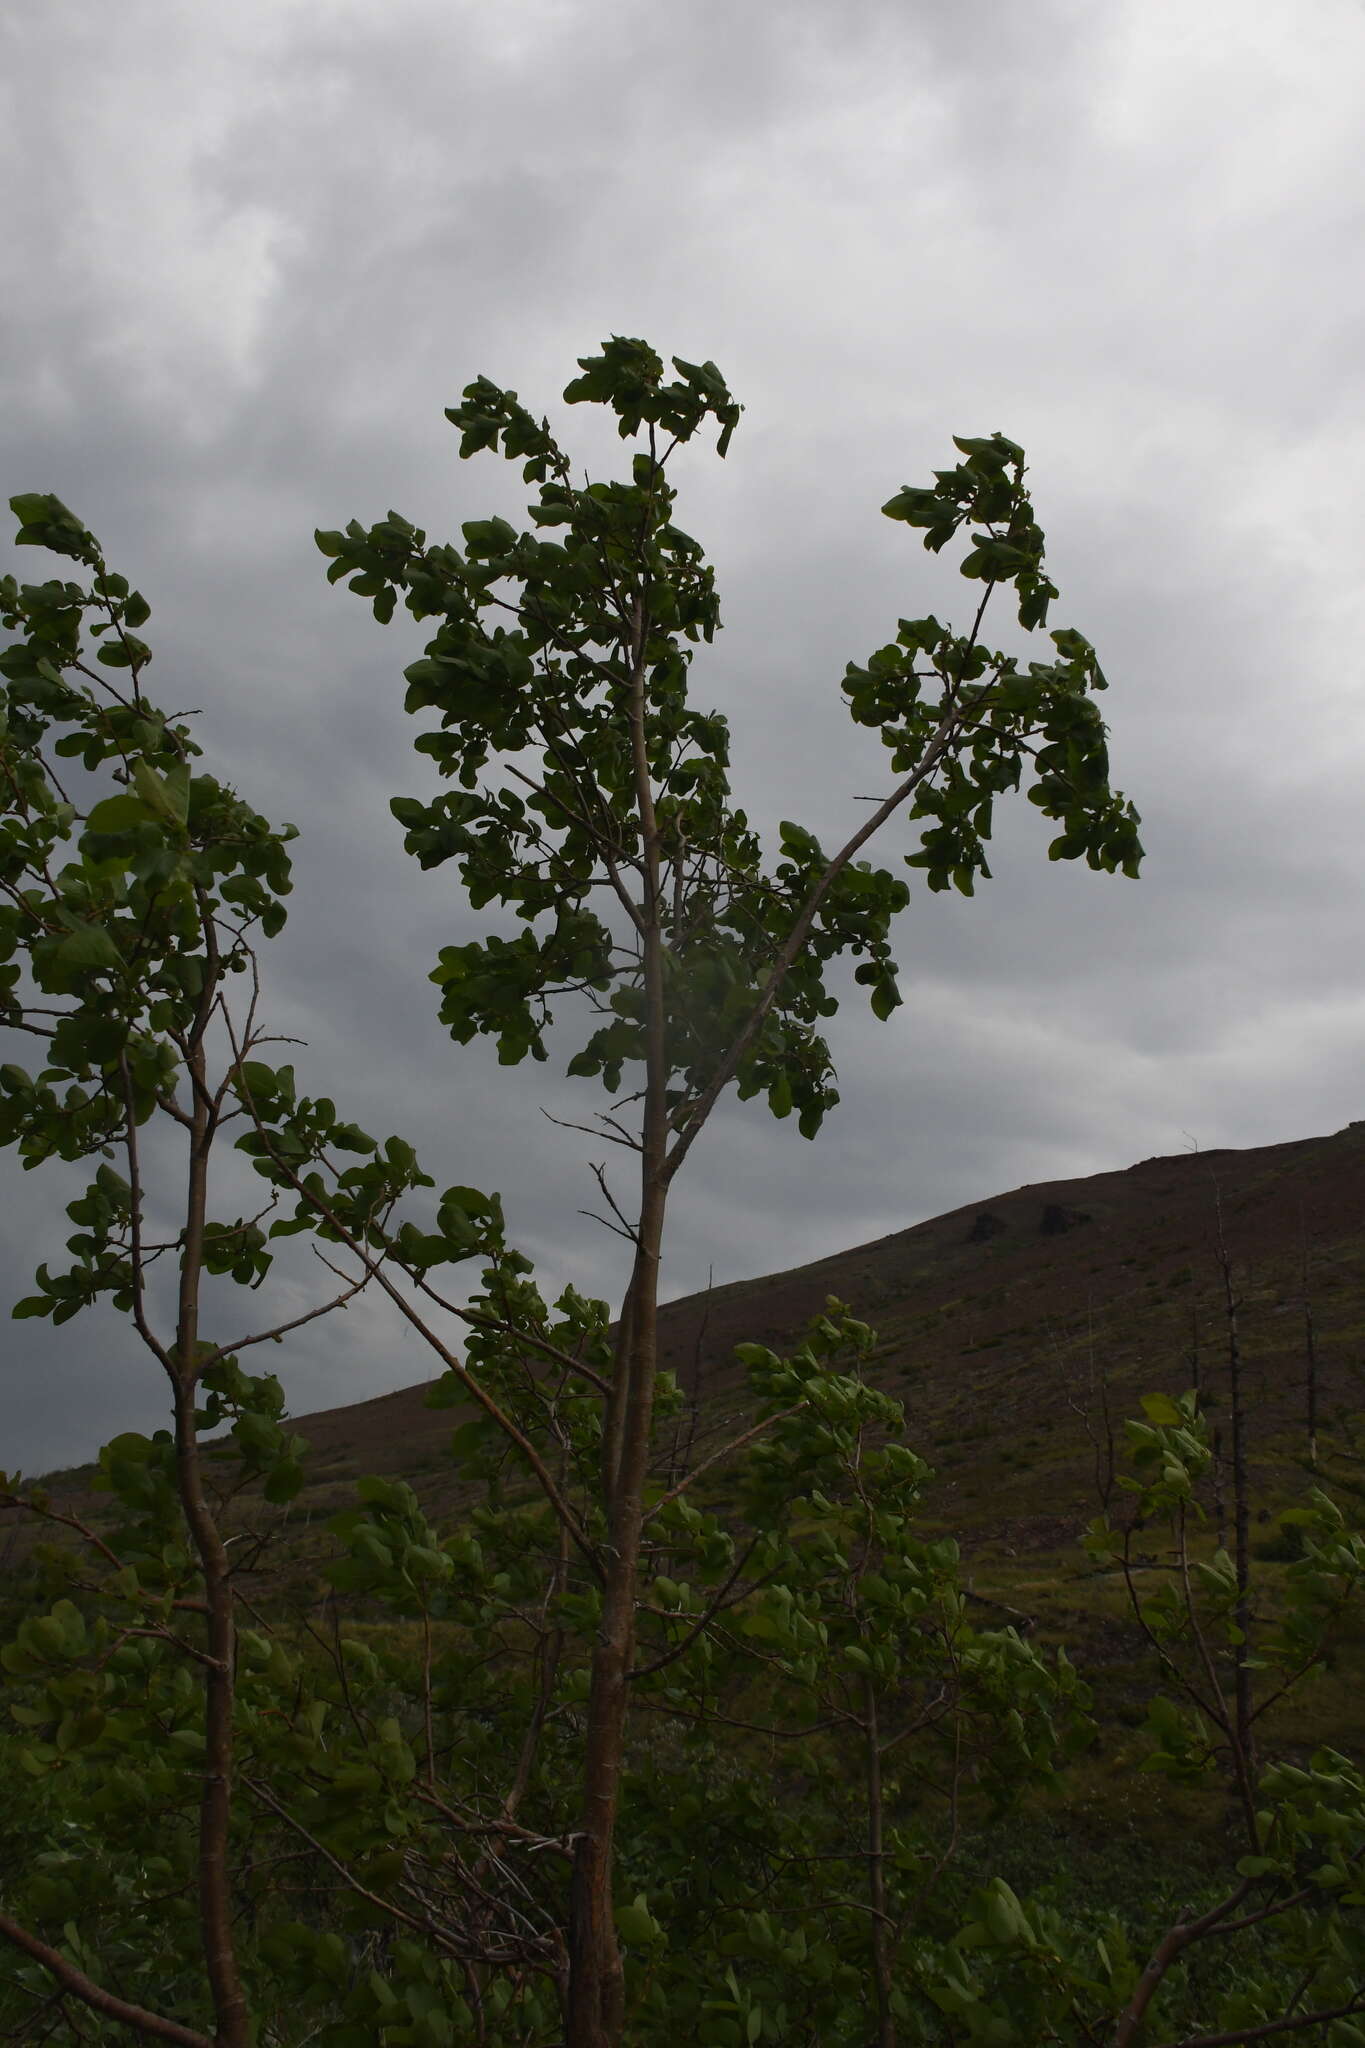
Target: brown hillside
1005	1325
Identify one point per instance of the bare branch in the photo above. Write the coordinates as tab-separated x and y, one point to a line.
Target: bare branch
278	1330
1292	2025
720	1605
726	1450
76	1984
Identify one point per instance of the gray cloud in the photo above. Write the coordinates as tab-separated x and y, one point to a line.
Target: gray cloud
258	253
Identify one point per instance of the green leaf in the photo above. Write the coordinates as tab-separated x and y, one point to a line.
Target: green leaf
45	522
1161	1410
90	948
469	1439
257	1080
125	652
168	797
31	506
118	814
284	1482
635	1924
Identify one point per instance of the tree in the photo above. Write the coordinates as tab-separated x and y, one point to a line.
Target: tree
591	801
1209	1646
711	969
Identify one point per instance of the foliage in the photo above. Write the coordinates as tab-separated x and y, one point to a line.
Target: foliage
663	1733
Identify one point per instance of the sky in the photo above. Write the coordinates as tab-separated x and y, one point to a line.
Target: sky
252	253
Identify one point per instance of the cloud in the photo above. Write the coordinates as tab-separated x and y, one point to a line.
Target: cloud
258	253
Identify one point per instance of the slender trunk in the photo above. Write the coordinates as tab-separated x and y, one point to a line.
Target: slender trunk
233	2024
1196	1376
876	1871
1106	1460
614	1423
597	1985
596	2002
1310	1348
1241	1518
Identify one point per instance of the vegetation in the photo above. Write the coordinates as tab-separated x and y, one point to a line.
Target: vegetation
660	1736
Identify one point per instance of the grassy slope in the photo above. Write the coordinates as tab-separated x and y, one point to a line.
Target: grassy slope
1006	1326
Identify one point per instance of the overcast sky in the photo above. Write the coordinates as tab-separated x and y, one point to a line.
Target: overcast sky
253	252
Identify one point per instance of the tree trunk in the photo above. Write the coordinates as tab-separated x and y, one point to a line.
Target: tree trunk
1310	1346
1241	1527
233	2022
1241	1512
596	2014
876	1871
596	1980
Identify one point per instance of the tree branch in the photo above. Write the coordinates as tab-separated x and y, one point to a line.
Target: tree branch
796	938
1292	2025
76	1984
1172	1944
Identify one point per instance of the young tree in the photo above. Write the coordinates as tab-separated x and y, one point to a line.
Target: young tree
1274	1948
592	802
610	833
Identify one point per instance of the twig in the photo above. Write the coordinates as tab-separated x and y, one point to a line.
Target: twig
725	1451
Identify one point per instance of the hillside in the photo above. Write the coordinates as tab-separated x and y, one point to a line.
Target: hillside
1005	1325
1009	1328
